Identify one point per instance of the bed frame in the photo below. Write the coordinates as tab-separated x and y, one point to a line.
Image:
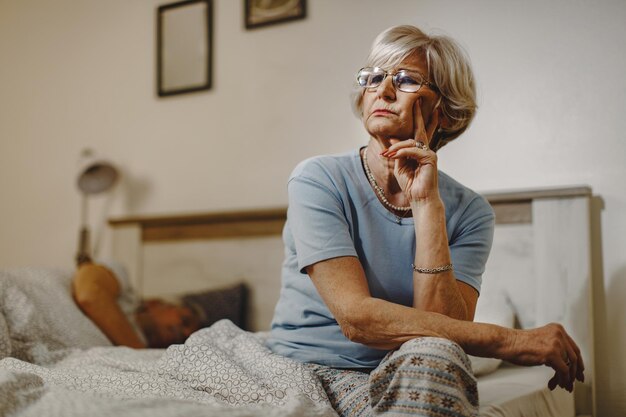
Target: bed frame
541	256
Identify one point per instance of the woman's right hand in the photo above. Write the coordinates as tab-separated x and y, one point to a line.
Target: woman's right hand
549	345
415	166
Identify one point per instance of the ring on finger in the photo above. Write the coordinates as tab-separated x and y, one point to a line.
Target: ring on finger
420	145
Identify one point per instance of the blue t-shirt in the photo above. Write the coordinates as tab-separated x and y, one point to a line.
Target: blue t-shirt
333	211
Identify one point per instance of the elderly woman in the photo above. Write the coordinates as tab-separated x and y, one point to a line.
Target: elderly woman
384	253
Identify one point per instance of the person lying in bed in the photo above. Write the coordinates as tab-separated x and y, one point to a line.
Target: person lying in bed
97	290
384	253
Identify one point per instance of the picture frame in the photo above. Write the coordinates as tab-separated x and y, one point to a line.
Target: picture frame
184	47
260	13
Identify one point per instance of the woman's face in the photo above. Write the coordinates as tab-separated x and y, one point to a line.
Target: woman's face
389	114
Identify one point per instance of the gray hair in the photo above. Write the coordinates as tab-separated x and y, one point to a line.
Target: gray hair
449	70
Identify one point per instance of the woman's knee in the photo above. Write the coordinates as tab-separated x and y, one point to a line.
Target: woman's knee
429	360
443	349
423	368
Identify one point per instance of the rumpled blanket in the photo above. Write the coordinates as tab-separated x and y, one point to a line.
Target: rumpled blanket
221	370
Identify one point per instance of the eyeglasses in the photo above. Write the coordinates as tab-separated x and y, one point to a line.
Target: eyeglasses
403	80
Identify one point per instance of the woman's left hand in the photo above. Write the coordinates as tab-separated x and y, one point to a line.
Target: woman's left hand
415	163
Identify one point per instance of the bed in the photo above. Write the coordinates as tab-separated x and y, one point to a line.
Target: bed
57	364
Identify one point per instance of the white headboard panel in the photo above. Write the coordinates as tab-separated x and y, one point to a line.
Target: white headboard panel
563	274
192	266
510	270
541	260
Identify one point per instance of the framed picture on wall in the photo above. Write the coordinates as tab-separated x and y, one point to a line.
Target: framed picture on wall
260	13
184	32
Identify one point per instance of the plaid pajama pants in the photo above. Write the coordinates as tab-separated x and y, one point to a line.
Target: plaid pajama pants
425	377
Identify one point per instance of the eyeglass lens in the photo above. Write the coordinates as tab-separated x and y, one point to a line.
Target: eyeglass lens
373	77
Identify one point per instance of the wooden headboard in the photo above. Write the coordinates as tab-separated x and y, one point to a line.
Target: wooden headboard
541	256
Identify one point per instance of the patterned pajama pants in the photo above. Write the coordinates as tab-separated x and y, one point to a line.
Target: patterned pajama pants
426	377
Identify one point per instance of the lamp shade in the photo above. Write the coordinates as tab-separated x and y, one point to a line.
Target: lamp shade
96	176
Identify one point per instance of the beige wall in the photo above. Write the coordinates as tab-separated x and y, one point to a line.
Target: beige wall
79	73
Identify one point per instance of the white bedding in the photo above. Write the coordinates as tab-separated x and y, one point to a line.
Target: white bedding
220	370
514	391
223	371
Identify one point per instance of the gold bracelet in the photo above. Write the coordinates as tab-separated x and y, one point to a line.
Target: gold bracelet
434	270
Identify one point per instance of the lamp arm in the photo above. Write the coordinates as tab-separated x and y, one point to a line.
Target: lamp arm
83	255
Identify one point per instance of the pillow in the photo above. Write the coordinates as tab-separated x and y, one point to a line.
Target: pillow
164	323
493	307
5	340
214	305
39	318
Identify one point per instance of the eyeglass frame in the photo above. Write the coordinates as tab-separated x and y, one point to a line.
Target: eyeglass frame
393	79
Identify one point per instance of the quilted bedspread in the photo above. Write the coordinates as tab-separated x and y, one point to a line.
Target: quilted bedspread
221	370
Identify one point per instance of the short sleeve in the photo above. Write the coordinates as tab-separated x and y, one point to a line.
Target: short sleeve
317	220
470	247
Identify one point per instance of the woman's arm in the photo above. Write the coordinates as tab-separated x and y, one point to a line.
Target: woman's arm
442	292
95	290
416	172
381	324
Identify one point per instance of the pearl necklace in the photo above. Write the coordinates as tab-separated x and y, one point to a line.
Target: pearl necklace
378	188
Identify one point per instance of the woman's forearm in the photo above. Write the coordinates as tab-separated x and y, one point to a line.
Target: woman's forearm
385	325
434	292
382	324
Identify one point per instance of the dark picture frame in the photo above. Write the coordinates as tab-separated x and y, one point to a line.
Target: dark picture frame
184	47
260	13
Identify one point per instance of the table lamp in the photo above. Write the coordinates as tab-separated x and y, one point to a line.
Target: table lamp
95	176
